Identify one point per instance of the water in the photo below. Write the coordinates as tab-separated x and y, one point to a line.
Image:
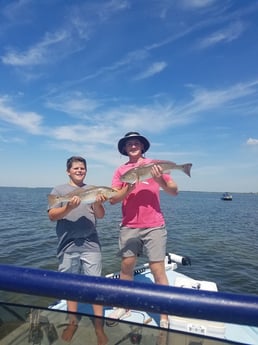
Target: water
219	236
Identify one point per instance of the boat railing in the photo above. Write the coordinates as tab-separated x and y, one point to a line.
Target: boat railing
198	304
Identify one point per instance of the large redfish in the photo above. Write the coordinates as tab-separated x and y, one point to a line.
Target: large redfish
143	172
87	195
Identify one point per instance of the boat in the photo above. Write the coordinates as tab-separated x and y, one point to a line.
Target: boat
198	312
226	196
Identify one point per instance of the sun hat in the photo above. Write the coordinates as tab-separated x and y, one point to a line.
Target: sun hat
134	135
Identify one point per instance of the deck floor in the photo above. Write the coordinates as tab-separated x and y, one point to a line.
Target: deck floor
122	333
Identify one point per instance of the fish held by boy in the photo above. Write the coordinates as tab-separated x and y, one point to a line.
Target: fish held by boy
87	195
143	172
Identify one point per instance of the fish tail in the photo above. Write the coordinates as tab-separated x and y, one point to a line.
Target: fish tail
52	200
187	169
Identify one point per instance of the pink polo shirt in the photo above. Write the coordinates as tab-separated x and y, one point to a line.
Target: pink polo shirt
141	208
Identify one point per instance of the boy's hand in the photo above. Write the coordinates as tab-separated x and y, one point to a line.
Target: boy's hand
74	202
100	198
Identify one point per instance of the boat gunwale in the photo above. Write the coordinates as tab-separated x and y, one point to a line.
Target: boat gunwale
199	304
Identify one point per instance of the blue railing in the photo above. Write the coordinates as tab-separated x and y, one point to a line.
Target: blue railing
200	304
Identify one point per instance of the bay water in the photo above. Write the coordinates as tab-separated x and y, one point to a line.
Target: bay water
220	237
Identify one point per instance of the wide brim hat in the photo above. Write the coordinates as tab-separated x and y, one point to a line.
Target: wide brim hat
132	135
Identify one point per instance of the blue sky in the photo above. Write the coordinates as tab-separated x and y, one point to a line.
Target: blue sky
75	76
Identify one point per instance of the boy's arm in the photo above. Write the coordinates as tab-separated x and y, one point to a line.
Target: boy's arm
98	208
58	213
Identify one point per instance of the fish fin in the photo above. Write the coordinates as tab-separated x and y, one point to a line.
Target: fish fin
187	169
89	187
76	192
52	200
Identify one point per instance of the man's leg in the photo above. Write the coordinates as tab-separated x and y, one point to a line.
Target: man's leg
160	277
126	273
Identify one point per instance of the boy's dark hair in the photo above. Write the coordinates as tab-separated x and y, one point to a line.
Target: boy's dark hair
72	159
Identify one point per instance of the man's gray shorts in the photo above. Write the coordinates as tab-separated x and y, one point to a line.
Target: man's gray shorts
151	242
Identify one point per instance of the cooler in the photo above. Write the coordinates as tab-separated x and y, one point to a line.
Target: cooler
196	326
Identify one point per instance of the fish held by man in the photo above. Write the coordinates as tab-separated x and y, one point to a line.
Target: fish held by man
87	195
143	172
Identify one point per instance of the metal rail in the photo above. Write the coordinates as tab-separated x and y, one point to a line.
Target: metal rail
199	304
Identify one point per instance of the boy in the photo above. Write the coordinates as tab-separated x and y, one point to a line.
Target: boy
78	248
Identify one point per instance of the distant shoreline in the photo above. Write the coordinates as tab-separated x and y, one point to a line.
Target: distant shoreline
181	191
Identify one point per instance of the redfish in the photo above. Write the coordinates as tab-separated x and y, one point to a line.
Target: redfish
87	195
143	172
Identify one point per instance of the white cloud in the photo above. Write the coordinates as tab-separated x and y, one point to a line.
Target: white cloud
232	32
8	139
252	142
155	68
154	117
14	9
202	3
36	55
114	6
97	133
29	121
75	104
212	99
79	25
196	3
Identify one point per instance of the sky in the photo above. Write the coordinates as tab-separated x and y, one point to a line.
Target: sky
77	75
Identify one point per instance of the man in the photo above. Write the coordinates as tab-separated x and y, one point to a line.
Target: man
143	225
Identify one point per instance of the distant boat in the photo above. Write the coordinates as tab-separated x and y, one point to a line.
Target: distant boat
226	196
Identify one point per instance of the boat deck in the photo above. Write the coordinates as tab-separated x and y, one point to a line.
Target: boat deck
49	331
46	326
